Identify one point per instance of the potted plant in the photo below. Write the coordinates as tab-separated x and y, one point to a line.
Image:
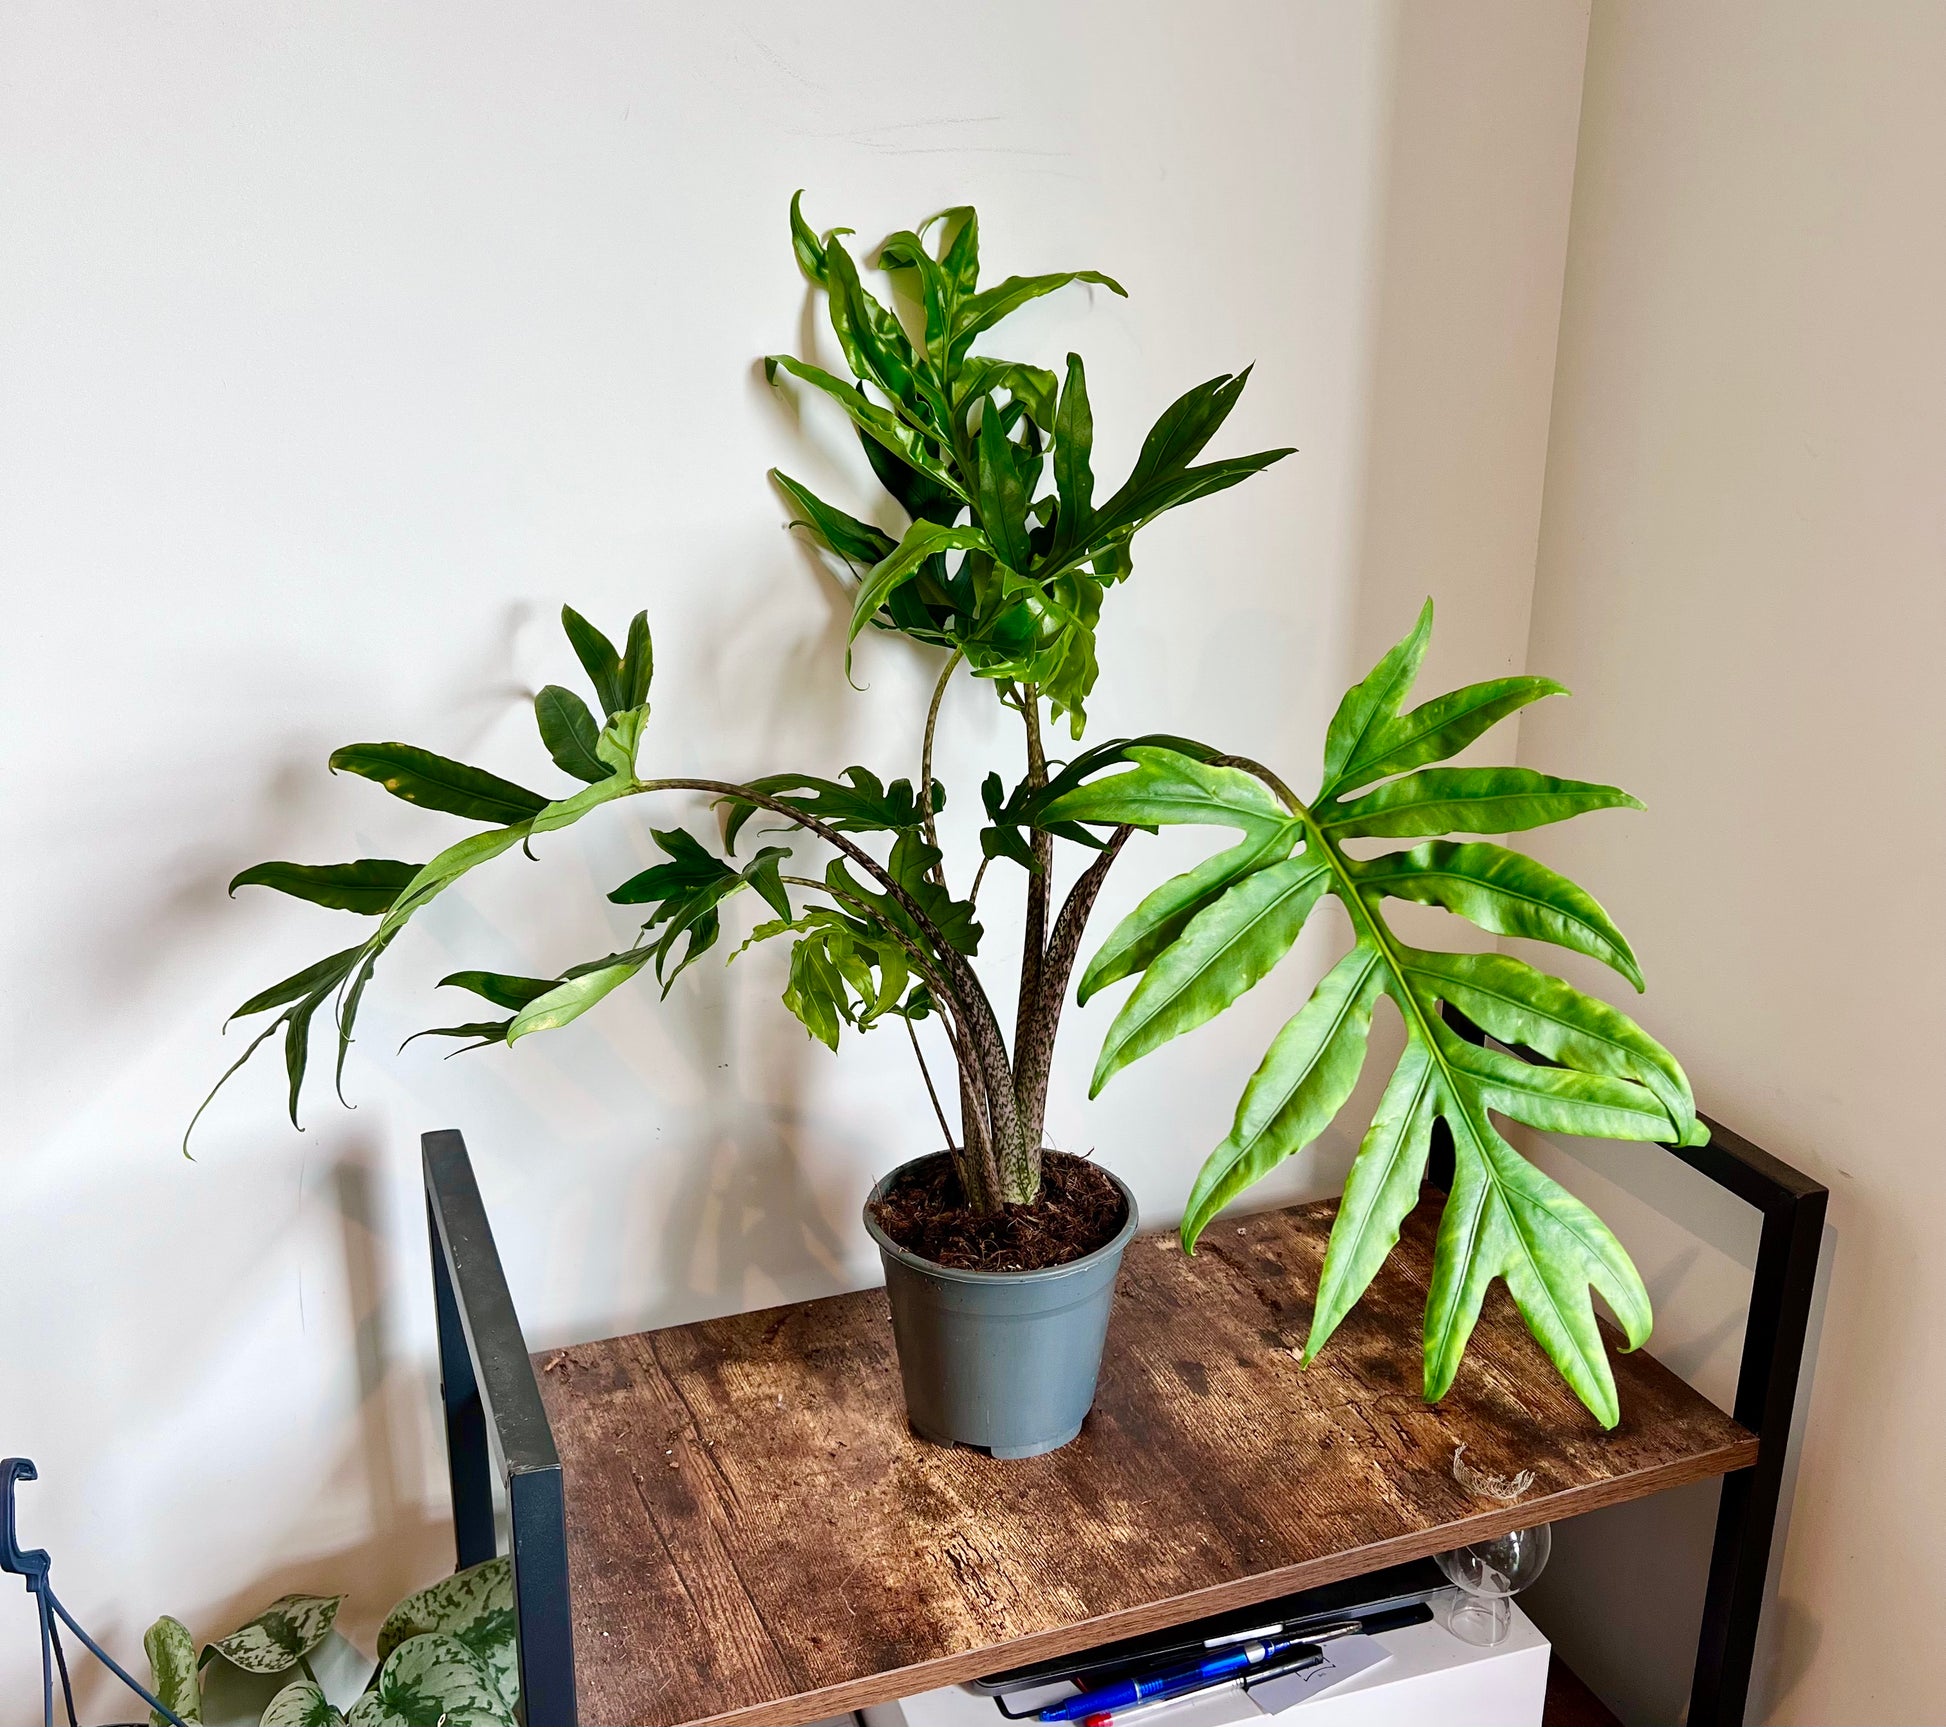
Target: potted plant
1000	1254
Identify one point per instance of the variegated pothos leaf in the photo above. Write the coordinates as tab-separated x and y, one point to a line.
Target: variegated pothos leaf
284	1632
475	1606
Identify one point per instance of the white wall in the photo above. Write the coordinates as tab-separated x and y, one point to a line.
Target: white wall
338	345
1740	576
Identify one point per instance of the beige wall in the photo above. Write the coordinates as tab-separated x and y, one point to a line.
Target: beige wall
1742	576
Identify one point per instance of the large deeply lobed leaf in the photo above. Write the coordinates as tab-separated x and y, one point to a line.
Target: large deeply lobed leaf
1201	940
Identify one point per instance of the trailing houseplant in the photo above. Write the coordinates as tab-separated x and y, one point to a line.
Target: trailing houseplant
1000	568
445	1658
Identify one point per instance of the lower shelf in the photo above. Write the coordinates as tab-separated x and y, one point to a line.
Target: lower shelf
1431	1676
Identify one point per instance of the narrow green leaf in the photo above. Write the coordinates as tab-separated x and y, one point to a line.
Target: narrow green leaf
809	250
1003	501
859	543
1505	892
172	1669
961	259
1468	801
1380	1192
1074	442
1166	787
325	975
879	424
435	782
921	540
762	872
570	733
1367	705
444	870
480	1032
1519	1005
598	659
1185	427
1303	1082
568	1001
500	988
1134	508
638	664
1164	914
1227	948
981	311
367	885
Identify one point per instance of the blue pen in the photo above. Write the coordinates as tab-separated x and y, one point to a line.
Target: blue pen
1169	1683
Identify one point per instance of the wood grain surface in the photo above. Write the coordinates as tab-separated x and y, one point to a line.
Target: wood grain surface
755	1535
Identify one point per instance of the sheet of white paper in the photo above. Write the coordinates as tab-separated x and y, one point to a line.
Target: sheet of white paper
1343	1657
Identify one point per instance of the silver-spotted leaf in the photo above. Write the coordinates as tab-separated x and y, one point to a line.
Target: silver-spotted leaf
288	1629
172	1670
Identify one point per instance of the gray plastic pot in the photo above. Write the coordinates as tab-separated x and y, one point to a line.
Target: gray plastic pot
1002	1360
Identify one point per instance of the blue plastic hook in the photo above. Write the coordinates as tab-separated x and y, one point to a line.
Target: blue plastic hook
30	1563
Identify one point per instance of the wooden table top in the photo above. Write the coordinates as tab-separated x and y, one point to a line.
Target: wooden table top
755	1535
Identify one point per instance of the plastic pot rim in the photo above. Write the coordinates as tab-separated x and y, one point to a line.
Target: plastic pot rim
1111	1248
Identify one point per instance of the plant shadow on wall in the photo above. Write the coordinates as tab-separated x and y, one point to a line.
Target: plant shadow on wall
1007	554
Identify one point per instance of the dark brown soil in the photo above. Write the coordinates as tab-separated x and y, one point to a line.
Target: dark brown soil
926	1213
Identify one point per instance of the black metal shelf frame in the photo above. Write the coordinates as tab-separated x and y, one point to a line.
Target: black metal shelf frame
494	1413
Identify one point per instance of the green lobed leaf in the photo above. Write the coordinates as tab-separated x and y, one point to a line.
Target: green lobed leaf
1226	949
282	1634
1375	699
435	782
1380	1192
1519	1005
1161	917
1035	387
860	803
1470	801
172	1670
1502	891
1505	1218
1439	728
570	734
1303	1082
366	885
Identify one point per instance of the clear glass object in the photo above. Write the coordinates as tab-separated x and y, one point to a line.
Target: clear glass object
1488	1575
